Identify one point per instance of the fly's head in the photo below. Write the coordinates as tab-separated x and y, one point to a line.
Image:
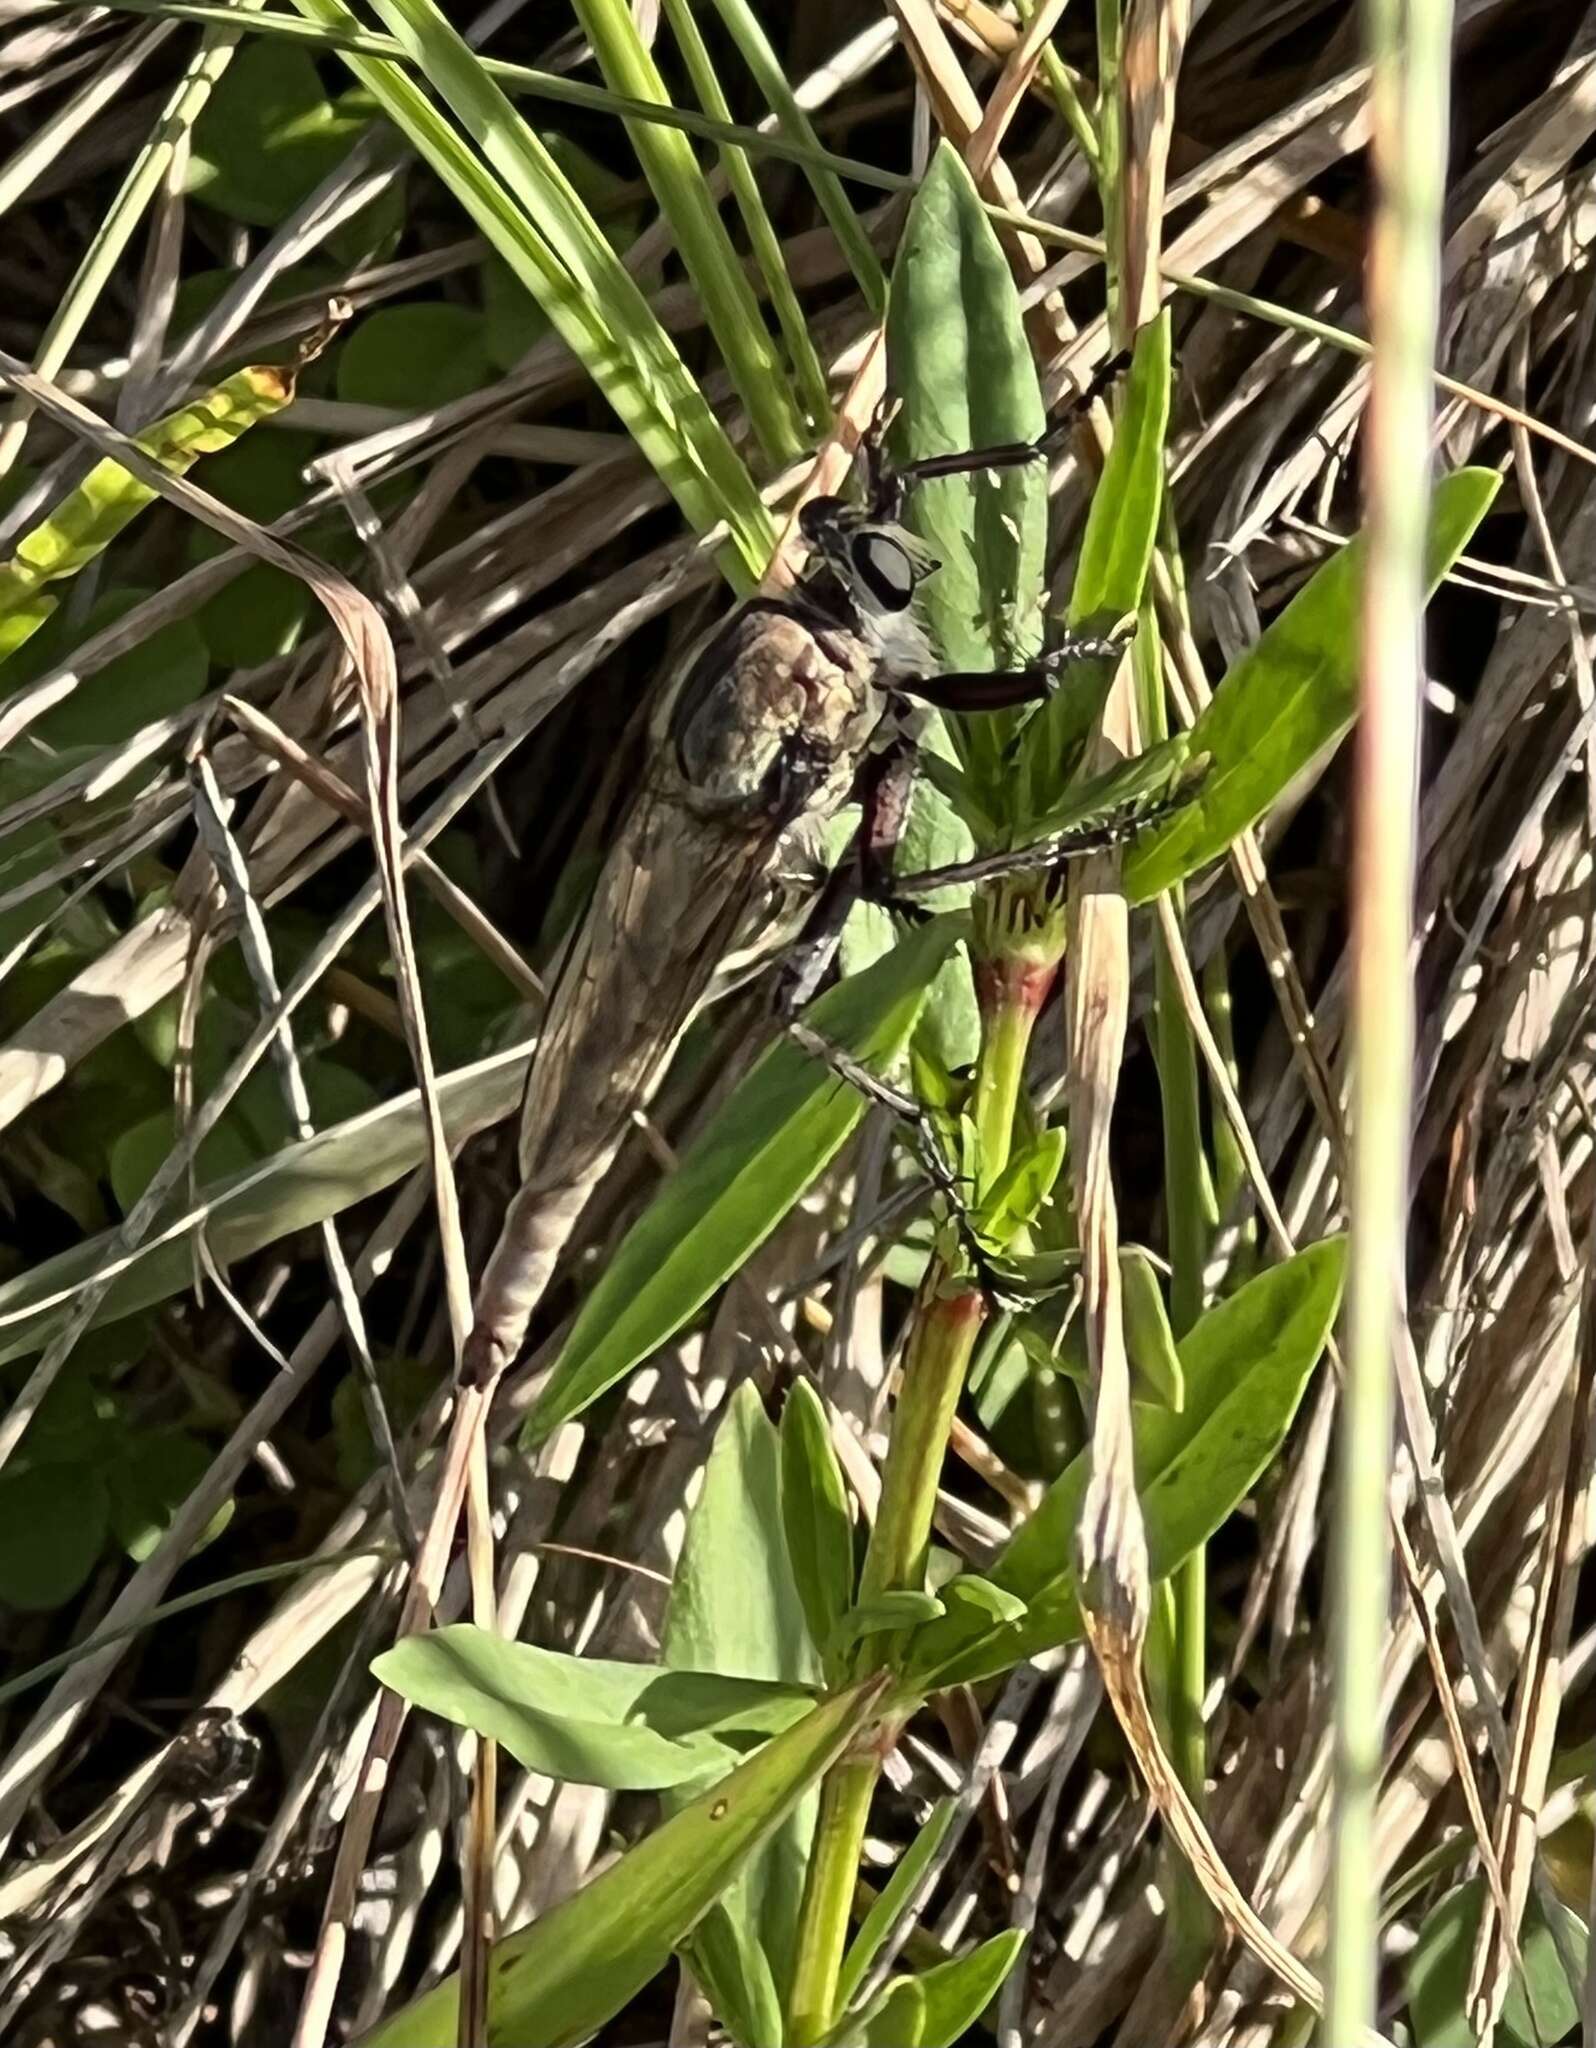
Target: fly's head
866	571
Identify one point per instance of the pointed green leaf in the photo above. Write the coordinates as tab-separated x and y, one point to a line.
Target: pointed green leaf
969	1589
935	2008
762	1150
1541	2004
958	354
560	1979
734	1607
1245	1364
1288	700
735	1973
1122	526
814	1512
1015	1197
887	1611
889	1902
632	1727
1154	1355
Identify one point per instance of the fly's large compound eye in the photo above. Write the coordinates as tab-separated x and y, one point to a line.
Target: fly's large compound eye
884	569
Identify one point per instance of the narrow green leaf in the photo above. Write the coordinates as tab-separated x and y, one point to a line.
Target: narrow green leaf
889	1902
1122	526
1154	1355
735	1973
886	1612
556	1982
894	2018
631	1727
957	1993
957	352
761	1151
1288	700
511	186
1016	1196
730	308
814	1512
1244	1364
969	1589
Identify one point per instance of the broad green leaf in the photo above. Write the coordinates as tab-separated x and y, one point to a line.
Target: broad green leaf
151	1483
1154	1354
631	1727
958	354
814	1512
1245	1364
1016	1196
556	1982
894	2018
412	358
53	1520
1288	700
761	1151
1541	2006
268	135
262	612
889	1902
735	1608
162	674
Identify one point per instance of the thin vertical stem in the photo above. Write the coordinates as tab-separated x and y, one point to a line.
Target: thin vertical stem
1410	44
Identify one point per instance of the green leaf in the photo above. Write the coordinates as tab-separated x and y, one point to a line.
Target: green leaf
631	1727
1438	1974
268	135
150	1485
1015	1198
935	2008
735	1608
904	1608
814	1512
759	1154
958	353
53	1521
1290	699
1154	1355
1121	529
889	1902
1245	1364
262	612
412	358
556	1982
735	1973
1122	526
157	677
969	1589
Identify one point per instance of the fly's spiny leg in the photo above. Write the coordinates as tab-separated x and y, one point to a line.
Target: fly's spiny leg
1002	689
1100	836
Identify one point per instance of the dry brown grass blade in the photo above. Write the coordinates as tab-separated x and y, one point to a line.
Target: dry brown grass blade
959	114
1155	36
1003	102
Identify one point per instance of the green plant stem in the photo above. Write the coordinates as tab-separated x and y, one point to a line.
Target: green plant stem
946	1326
1008	1016
828	1898
1410	47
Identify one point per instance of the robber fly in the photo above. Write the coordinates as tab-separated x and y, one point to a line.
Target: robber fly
788	707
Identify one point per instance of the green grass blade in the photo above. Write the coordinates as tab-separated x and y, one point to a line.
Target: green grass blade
762	235
529	211
757	53
674	176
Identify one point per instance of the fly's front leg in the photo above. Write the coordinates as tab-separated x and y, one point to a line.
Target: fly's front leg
1003	689
1099	836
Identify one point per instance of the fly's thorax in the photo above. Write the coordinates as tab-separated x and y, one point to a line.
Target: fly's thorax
773	715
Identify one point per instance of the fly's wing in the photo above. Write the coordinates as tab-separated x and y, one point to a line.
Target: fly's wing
673	897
